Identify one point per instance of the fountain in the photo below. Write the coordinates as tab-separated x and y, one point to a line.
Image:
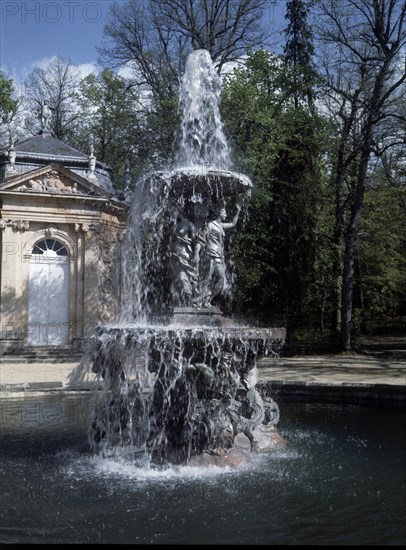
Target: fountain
177	376
176	384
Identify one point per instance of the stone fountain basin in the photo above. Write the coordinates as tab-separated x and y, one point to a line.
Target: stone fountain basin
197	384
200	344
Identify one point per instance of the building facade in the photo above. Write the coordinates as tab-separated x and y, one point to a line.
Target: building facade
61	228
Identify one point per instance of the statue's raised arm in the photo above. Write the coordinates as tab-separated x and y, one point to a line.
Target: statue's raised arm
212	266
233	222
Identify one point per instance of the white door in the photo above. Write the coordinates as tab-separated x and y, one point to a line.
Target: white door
48	295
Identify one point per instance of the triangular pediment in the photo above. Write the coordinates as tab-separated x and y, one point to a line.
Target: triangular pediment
52	179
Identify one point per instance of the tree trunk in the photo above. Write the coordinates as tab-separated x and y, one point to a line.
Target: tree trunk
337	267
352	229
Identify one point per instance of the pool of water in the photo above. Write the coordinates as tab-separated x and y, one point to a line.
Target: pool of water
340	480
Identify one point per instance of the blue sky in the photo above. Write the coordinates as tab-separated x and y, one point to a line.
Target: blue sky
34	31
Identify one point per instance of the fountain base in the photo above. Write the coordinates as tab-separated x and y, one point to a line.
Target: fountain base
268	439
172	393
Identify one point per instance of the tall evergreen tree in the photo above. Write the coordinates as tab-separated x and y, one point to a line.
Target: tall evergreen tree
299	50
294	212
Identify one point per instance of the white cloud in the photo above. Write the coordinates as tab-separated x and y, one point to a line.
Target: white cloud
43	62
128	70
20	74
85	69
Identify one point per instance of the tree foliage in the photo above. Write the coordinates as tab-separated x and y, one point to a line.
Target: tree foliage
281	146
8	109
380	273
109	122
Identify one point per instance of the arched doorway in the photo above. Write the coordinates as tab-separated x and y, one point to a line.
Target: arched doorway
48	294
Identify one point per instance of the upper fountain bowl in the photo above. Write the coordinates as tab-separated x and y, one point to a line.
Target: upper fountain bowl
194	182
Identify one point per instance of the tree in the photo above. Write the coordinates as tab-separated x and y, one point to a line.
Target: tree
227	28
58	84
362	43
295	212
8	109
281	148
299	50
152	38
156	35
249	107
380	268
109	122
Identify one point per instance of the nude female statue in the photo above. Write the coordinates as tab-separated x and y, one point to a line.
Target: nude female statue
209	252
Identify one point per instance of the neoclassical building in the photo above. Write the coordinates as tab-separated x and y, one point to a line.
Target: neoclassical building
61	227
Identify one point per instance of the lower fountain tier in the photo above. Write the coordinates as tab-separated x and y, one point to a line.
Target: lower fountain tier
197	344
178	392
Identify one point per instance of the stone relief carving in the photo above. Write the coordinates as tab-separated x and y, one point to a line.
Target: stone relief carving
34	185
21	225
51	183
16	225
86	227
50	232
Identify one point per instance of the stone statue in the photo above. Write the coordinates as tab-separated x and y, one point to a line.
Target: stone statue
45	114
12	154
209	253
182	255
92	165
